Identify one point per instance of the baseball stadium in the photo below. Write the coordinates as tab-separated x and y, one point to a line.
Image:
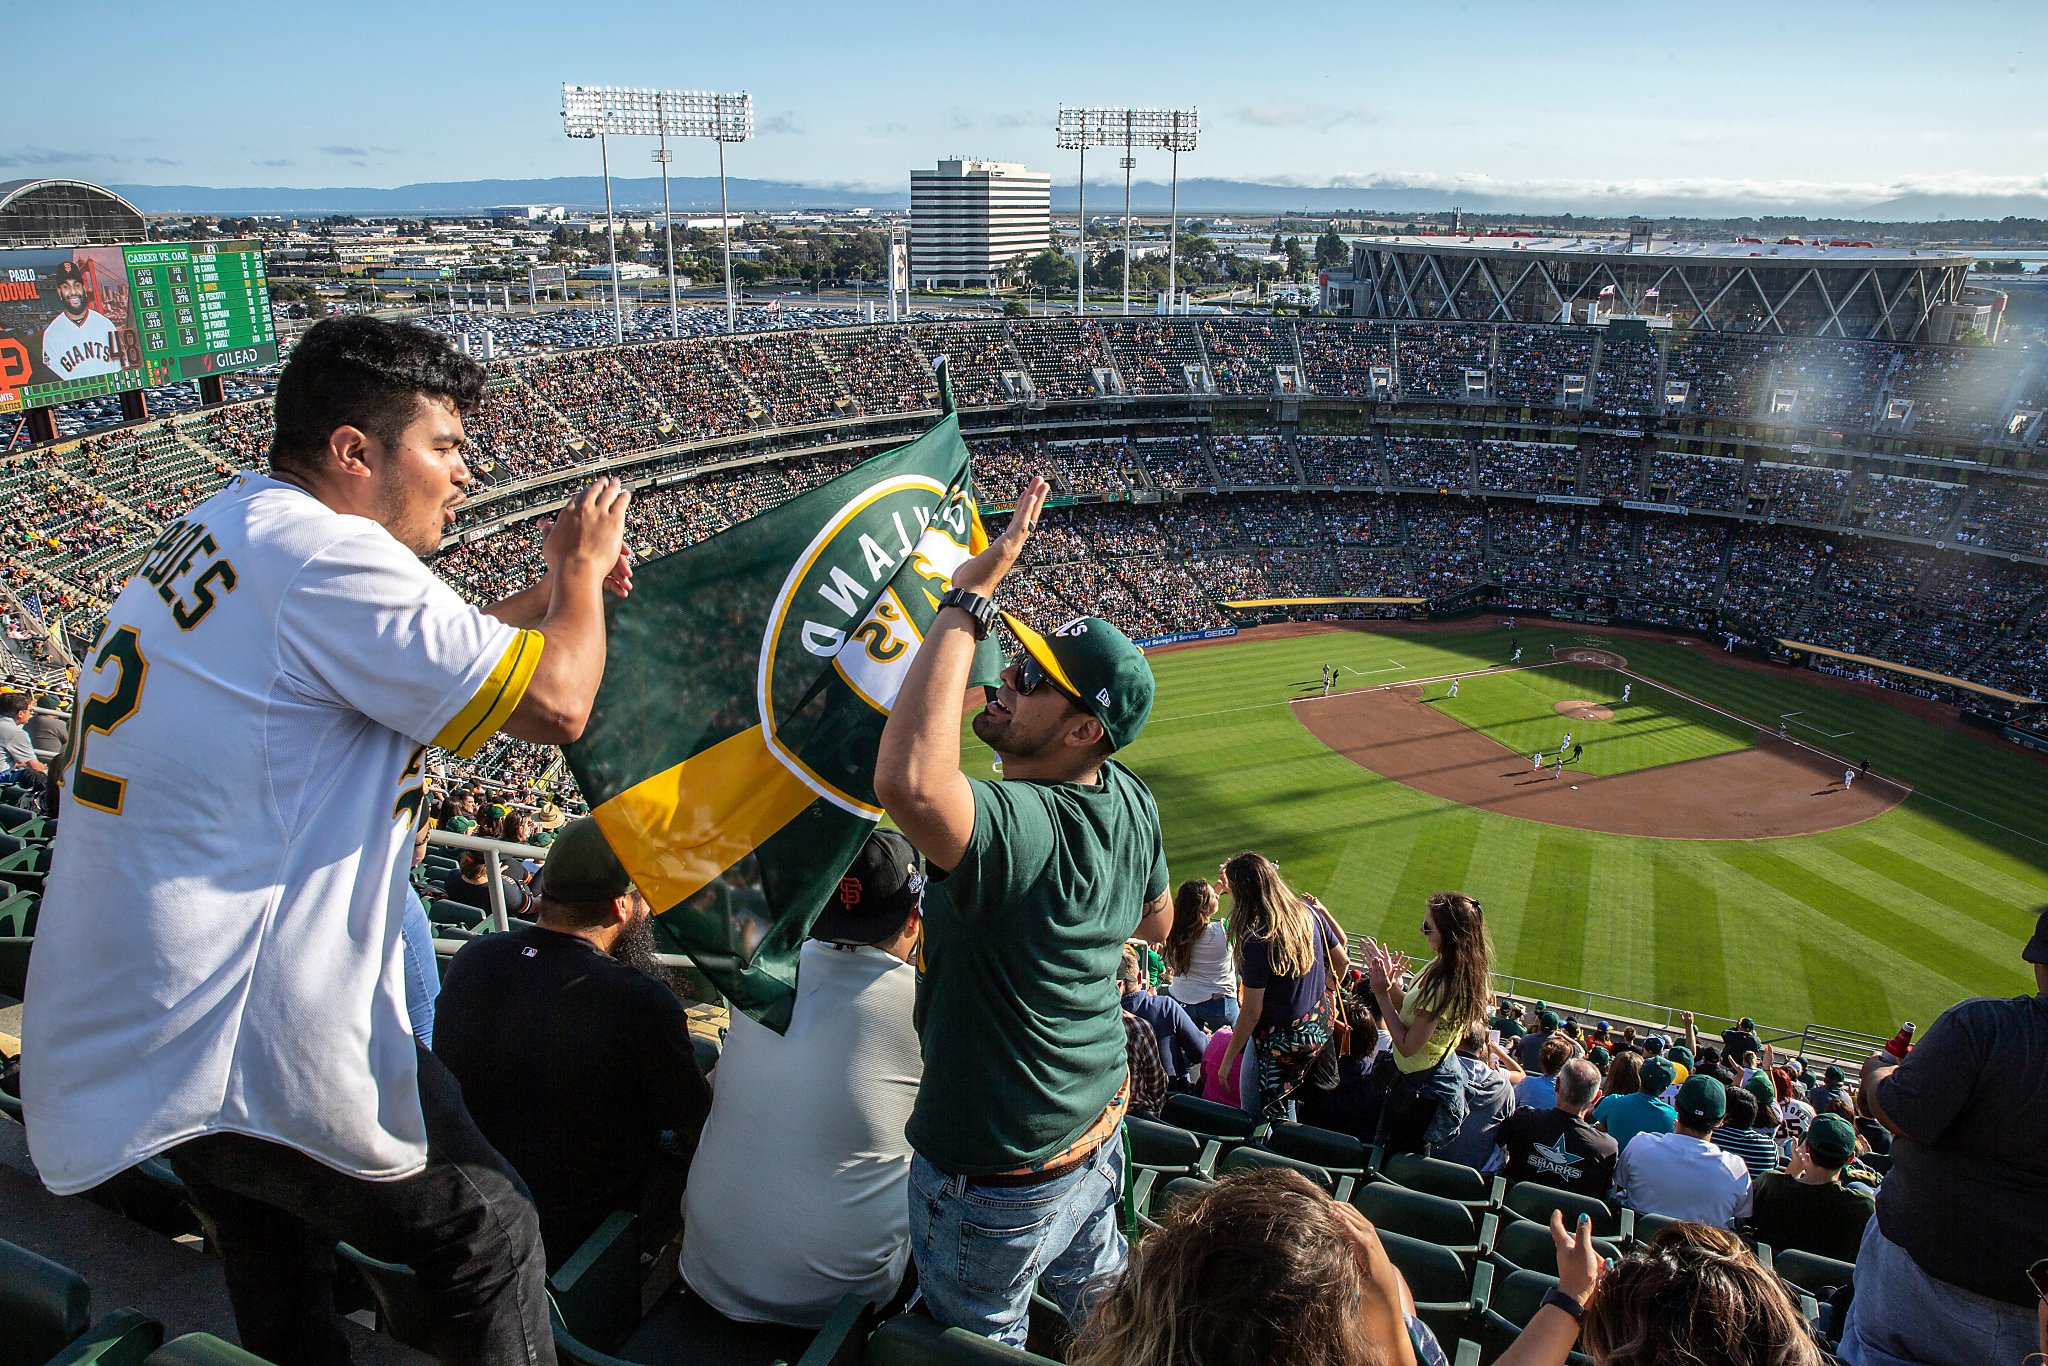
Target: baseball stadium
1707	649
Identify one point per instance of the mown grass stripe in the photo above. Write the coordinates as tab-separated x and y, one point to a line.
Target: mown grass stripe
1690	960
1963	897
1560	886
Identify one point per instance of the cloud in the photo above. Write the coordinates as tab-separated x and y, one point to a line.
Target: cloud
274	161
964	120
1295	114
1718	193
44	156
894	130
342	150
781	125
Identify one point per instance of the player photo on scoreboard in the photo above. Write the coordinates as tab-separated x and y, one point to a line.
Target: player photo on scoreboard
90	332
65	314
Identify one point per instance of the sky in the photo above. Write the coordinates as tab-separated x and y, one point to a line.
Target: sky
1823	104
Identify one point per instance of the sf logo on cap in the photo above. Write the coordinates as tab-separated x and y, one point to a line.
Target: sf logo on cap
849	892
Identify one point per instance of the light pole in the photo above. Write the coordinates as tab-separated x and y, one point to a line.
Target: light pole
1080	129
595	111
1175	130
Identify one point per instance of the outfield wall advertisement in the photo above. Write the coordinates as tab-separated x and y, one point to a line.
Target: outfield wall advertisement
80	322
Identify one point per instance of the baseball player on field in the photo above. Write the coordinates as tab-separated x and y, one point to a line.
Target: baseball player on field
1558	771
1624	691
1518	656
1566	743
235	843
1537	760
1454	688
1848	778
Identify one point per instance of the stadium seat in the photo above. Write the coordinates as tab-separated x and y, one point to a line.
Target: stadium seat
1881	1163
914	1340
44	1307
1647	1226
14	952
1447	1296
1228	1125
1535	1202
1516	1298
1451	1180
1152	1201
1337	1154
1818	1276
18	915
1520	1245
1153	1146
150	1194
682	1330
596	1292
1253	1159
1417	1214
122	1338
12	817
26	867
202	1349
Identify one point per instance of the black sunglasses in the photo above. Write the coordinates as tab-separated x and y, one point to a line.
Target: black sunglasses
1031	674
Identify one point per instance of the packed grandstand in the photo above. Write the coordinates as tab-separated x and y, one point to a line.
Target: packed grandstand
1864	497
1867	501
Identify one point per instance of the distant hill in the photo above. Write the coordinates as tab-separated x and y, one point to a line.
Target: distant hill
1198	195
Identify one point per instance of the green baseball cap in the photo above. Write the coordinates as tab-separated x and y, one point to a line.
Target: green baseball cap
1702	1100
1766	1094
1097	665
581	865
462	825
1831	1141
1656	1074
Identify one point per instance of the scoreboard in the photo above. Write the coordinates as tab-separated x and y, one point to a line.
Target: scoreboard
80	322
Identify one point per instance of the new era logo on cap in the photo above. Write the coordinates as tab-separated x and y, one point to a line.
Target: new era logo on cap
1102	696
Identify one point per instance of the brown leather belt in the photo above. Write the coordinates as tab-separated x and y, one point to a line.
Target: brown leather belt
1053	1173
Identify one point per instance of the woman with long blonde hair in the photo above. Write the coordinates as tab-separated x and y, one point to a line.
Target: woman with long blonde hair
1424	1088
1289	955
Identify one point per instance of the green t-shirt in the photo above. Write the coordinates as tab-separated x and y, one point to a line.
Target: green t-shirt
1017	1006
1827	1220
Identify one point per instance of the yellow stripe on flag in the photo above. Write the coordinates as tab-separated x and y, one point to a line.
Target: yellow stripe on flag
677	831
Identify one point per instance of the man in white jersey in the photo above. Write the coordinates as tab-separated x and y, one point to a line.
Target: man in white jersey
219	974
81	340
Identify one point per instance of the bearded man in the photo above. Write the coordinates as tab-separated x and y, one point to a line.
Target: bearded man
574	1054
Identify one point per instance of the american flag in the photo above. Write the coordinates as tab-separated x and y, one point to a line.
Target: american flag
1606	290
1650	293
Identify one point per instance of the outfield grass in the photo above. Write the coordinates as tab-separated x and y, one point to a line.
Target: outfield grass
1894	918
1518	707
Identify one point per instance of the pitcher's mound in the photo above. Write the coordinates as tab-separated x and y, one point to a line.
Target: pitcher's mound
1585	711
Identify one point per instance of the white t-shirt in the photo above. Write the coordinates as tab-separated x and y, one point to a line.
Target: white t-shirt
1684	1177
799	1192
1211	971
83	348
219	945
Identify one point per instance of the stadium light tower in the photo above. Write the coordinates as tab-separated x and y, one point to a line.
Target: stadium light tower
595	111
584	116
1175	130
1077	133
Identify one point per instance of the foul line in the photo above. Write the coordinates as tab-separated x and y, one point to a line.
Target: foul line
1808	725
1396	664
1766	730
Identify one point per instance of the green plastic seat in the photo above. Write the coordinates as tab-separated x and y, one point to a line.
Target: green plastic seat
202	1349
1153	1198
1818	1276
1448	1297
1520	1245
1516	1298
1337	1154
1258	1159
18	915
44	1307
1165	1148
1228	1125
1430	1218
914	1340
1534	1201
123	1338
1648	1226
1451	1180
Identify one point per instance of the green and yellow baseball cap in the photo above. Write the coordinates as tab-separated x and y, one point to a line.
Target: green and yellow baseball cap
1097	665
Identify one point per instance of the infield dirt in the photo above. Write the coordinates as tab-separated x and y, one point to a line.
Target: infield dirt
1770	789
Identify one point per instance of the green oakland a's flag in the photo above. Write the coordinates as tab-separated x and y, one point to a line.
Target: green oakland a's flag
730	755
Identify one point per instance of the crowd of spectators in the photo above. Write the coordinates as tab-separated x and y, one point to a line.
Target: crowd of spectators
1243	461
1346	461
1246	355
1061	355
1530	364
1528	467
1155	355
1625	380
1429	462
1342	357
1897	503
1436	357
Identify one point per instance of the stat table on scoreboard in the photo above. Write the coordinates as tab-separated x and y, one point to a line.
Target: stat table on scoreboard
200	308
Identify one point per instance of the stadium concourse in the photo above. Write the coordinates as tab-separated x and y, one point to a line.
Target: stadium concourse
1863	506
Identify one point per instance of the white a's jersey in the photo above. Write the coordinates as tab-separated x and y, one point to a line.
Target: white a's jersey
218	948
86	348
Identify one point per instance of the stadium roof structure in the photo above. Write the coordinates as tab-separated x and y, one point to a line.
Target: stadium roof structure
1788	288
66	213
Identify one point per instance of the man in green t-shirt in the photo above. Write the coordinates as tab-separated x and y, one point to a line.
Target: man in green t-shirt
1037	881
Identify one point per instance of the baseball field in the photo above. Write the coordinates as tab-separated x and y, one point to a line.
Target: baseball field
1871	865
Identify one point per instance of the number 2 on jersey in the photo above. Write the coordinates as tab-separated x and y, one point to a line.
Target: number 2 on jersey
104	712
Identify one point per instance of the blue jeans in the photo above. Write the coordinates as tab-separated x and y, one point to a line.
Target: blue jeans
1902	1316
980	1249
1218	1012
